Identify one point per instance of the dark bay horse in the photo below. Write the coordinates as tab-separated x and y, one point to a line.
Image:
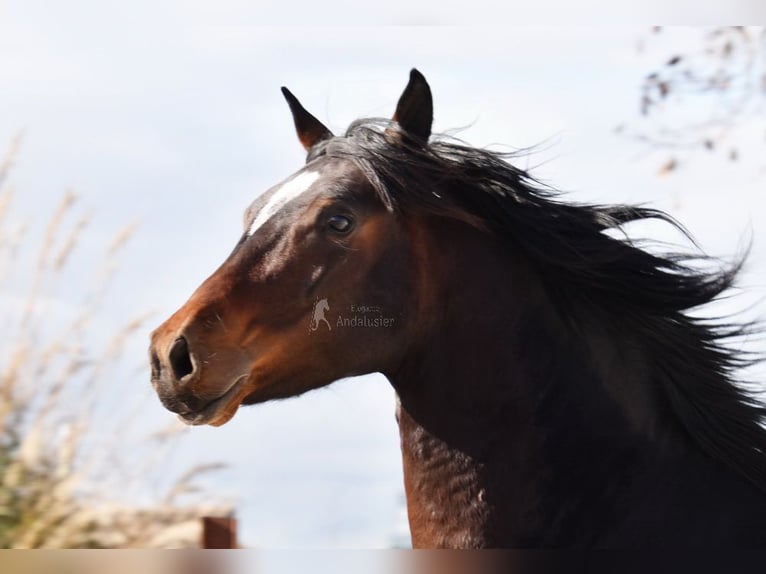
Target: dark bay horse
554	389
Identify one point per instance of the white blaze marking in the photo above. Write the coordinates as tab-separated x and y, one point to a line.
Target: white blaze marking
282	196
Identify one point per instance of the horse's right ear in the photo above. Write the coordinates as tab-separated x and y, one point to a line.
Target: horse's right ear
415	110
310	130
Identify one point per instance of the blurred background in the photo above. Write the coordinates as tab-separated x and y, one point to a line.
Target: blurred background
132	151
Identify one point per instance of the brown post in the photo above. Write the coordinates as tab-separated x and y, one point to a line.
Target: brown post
219	532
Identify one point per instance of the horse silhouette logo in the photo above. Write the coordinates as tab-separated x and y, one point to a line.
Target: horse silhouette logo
320	307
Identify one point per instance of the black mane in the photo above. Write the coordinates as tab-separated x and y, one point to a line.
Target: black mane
581	263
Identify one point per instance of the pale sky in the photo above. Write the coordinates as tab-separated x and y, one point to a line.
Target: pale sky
180	128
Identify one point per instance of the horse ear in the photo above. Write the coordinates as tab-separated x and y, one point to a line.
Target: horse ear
310	130
415	110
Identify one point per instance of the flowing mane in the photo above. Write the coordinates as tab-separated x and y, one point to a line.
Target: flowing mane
650	294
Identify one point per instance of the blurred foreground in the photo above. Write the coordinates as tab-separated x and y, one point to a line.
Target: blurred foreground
65	471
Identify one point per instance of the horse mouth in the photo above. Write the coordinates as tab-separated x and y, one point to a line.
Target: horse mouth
218	411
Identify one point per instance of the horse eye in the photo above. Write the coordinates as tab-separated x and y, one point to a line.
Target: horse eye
340	223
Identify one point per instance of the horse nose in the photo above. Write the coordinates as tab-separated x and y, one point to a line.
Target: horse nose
180	360
175	373
171	367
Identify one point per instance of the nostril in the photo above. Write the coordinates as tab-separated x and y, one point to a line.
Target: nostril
180	359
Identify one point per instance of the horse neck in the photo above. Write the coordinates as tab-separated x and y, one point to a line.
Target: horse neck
500	402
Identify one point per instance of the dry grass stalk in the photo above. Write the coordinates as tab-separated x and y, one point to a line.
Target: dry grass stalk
53	475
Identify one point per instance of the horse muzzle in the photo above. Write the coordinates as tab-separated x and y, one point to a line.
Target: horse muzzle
198	385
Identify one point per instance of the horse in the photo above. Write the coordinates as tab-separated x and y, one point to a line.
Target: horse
319	308
554	386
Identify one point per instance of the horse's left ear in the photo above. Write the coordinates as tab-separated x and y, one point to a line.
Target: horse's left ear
415	110
310	130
